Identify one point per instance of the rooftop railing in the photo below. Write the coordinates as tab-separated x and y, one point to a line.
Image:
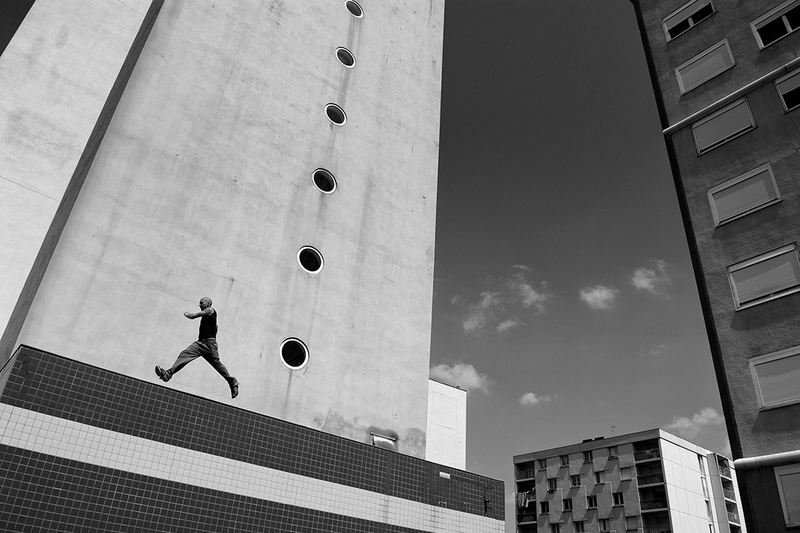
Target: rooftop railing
644	455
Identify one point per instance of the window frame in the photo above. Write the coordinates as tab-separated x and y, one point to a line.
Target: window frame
708	51
718	113
769	16
552	484
578	526
794	351
544	507
613	452
790	75
741	265
572	480
692	24
735	181
780	470
600	477
588	457
617	496
603	524
541	464
564	460
589	502
567	504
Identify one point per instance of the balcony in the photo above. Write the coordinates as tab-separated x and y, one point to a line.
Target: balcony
526	474
647	455
653	505
733	517
729	494
650	479
725	471
526	518
659	529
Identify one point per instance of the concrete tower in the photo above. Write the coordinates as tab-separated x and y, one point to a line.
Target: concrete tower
726	78
251	137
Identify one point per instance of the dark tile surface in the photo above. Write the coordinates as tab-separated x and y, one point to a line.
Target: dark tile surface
44	493
64	388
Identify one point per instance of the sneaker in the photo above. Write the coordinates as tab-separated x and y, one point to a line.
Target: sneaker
234	387
163	374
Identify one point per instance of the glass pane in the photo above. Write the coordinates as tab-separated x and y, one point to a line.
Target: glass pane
791	496
744	196
779	380
793	18
713	131
766	277
705	67
772	31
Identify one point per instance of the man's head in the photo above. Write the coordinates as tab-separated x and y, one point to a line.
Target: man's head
205	302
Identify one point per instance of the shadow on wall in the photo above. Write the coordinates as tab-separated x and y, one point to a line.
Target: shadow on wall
783	312
783	420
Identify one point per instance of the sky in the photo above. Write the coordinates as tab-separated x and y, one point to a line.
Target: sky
564	298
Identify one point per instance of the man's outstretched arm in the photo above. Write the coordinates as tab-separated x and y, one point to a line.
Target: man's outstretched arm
204	312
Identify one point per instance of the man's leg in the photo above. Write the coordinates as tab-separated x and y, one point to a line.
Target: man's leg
192	352
210	353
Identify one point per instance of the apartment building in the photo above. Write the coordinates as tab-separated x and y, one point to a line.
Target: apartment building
726	80
650	481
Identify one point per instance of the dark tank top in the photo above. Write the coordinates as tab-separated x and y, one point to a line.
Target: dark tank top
208	326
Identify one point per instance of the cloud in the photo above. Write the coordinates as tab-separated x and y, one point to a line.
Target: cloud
504	305
654	280
599	297
506	325
690	428
726	447
461	375
530	399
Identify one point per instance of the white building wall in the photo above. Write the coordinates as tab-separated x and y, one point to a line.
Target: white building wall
688	508
447	425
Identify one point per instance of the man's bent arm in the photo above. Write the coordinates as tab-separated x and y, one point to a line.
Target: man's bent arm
192	316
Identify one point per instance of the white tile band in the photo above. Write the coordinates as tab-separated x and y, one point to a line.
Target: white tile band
45	434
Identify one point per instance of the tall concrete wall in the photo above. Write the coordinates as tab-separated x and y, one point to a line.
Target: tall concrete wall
55	77
203	186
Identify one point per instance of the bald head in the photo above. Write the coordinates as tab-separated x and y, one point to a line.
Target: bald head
205	302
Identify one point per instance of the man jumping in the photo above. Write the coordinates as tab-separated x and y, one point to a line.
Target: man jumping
205	346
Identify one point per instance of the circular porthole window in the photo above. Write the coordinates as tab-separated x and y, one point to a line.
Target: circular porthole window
354	8
294	353
324	180
336	114
310	259
345	57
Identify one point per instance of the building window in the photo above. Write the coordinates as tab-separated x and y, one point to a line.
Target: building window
686	17
544	507
613	452
336	114
604	524
575	480
384	441
324	180
564	460
743	195
632	523
555	528
600	477
789	90
788	478
591	502
777	377
626	474
345	57
567	504
542	463
777	23
578	526
701	462
705	66
765	277
310	259
726	124
619	499
587	457
294	353
552	483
